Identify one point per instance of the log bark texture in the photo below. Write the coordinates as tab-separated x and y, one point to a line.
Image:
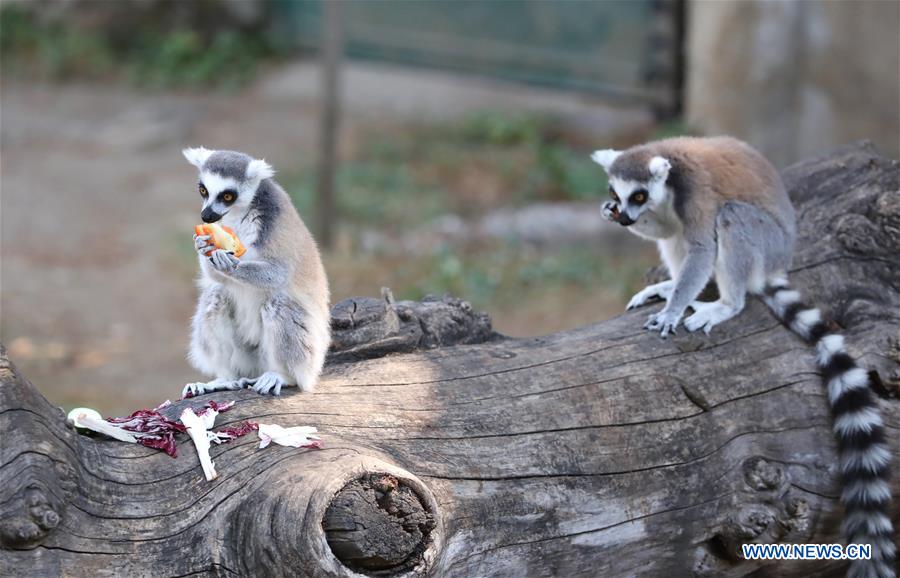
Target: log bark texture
600	451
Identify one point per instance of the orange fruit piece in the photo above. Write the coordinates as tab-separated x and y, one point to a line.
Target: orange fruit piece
222	237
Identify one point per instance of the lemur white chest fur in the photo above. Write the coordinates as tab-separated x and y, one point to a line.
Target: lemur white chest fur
246	304
262	320
717	208
247	300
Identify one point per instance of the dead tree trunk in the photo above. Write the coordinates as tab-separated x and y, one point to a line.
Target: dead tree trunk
600	451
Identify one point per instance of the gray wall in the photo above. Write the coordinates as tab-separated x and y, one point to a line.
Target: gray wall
795	78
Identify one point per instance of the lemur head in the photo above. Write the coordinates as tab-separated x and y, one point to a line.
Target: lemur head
228	180
637	184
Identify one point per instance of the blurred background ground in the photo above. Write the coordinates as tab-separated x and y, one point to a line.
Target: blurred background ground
449	180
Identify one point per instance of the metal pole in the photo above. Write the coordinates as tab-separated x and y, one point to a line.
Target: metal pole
331	50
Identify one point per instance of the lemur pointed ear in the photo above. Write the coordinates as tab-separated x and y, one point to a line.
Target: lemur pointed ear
197	156
258	169
659	168
605	158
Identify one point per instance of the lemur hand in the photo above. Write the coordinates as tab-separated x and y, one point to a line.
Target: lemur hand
665	322
203	244
224	261
610	211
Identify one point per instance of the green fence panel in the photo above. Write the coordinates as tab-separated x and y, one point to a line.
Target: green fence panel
601	46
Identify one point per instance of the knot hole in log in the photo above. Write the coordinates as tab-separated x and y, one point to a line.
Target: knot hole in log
763	510
378	525
340	517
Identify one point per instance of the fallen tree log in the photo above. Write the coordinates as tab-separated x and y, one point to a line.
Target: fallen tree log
600	451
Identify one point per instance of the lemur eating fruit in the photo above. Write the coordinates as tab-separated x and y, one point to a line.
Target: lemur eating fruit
262	320
717	208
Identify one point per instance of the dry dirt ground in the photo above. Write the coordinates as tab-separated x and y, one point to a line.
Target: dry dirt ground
98	206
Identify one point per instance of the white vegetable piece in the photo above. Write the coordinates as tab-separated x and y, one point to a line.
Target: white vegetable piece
197	427
87	418
297	437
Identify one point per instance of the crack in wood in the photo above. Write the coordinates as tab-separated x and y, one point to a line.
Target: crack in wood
625	472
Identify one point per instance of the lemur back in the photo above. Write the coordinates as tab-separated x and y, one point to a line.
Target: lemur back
286	235
263	320
718	209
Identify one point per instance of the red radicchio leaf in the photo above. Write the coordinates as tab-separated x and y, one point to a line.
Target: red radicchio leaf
219	407
147	421
156	431
165	443
226	434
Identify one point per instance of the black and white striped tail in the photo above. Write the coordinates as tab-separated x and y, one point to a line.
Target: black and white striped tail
864	455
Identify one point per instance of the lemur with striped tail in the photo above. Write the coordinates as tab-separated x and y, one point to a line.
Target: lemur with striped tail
717	208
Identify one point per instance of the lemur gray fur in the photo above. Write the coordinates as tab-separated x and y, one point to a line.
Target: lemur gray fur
717	208
263	320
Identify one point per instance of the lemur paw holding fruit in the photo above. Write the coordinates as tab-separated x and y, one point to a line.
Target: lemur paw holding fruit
610	211
220	244
218	237
203	244
224	261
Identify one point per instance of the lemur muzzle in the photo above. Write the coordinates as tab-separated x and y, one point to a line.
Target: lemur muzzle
210	216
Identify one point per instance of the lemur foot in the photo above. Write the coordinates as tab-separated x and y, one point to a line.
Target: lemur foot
269	382
665	322
224	261
662	290
200	387
708	315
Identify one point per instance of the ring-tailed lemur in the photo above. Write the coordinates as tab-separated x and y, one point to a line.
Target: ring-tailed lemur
262	321
716	207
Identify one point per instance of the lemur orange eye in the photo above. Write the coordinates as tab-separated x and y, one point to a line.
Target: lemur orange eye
203	192
613	195
639	198
228	197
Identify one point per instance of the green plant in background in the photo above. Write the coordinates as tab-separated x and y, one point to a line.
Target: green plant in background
493	274
400	180
32	46
499	129
566	174
373	193
486	160
185	58
155	55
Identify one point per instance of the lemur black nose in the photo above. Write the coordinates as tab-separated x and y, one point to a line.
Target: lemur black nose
210	216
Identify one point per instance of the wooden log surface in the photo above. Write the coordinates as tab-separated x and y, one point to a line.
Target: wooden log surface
599	451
